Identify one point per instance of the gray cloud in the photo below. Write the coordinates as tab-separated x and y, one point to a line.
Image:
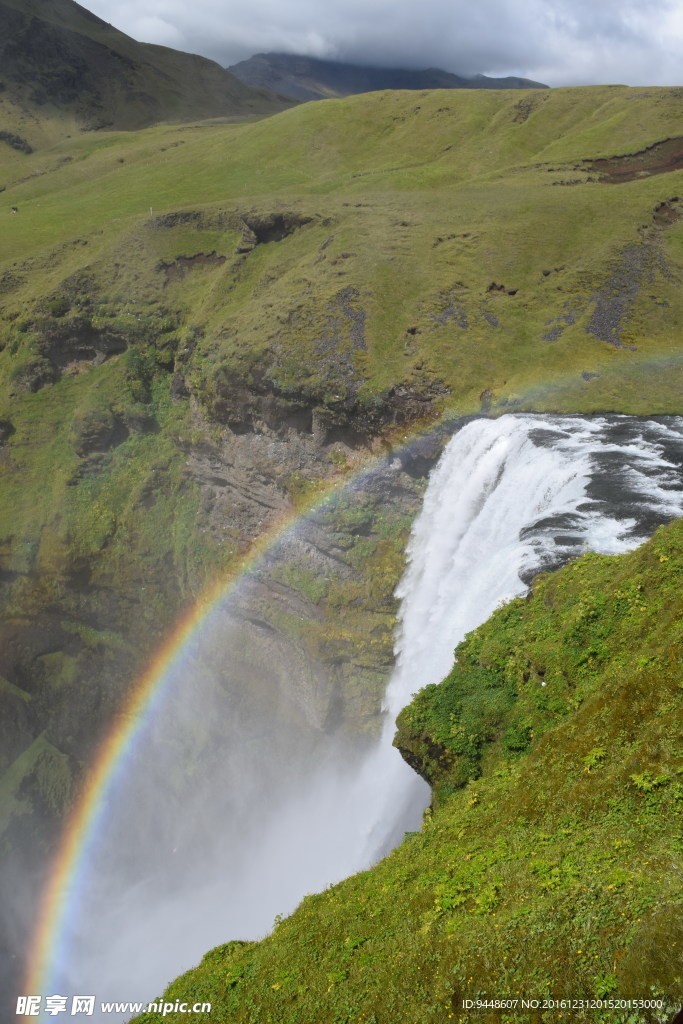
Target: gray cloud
562	42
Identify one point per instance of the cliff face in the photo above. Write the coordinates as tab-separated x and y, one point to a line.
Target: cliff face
125	498
148	501
549	863
138	467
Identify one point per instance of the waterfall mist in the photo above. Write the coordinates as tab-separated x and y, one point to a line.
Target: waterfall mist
274	809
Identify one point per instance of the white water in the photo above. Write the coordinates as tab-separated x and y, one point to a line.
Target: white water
492	483
508	496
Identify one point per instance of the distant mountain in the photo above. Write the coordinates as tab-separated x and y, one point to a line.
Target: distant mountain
56	55
306	78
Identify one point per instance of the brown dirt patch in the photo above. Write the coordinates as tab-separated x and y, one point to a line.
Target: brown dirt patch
667	212
660	158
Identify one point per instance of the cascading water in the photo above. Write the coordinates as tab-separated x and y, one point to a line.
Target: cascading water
508	498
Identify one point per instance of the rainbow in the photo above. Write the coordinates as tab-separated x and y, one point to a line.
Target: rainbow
84	825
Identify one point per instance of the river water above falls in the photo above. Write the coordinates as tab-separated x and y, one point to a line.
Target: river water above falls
508	498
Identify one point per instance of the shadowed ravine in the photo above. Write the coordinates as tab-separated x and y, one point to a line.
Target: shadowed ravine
202	846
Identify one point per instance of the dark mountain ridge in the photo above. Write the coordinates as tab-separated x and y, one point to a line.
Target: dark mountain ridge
57	56
308	78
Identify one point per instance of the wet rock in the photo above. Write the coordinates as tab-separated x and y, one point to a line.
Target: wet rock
667	212
248	241
486	398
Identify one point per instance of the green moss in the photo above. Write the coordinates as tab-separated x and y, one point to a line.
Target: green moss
92	637
54	780
301	579
445	728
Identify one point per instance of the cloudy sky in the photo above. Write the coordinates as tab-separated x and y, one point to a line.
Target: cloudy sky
561	42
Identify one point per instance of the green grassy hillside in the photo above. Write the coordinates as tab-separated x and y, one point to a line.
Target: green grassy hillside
478	247
551	864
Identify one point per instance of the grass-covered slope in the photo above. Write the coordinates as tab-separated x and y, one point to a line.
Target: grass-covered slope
435	243
552	862
61	63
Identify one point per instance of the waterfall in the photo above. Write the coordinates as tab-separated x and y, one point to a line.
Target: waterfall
513	496
508	498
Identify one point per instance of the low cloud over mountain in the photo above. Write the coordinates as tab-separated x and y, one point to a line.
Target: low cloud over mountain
562	42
